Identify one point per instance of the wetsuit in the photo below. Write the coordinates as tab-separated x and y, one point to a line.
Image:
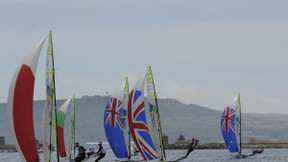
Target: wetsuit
101	152
190	149
257	151
81	154
192	146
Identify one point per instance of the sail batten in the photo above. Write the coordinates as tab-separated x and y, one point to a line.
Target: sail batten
20	105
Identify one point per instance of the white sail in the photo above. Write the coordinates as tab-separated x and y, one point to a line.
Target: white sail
235	104
71	136
156	130
125	120
20	105
49	103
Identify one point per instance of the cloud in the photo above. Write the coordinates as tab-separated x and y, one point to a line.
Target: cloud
264	104
185	93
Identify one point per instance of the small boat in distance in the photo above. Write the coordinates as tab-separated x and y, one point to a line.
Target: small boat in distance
231	127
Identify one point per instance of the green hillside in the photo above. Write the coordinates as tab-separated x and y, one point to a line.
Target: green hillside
190	120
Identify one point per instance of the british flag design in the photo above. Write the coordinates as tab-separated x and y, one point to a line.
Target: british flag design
114	127
114	111
228	120
228	129
138	125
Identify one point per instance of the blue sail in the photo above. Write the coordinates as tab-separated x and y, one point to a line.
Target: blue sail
228	129
113	124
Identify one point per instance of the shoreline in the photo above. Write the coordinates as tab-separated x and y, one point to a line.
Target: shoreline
183	145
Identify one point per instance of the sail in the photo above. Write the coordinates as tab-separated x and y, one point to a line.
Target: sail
230	126
238	122
125	120
137	121
61	116
156	130
113	123
49	103
20	105
71	136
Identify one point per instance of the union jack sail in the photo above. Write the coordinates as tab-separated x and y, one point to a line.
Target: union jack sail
137	122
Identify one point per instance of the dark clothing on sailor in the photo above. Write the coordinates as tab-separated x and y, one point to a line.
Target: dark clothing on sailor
101	151
81	154
192	146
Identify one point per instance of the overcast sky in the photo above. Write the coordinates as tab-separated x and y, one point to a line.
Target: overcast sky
201	52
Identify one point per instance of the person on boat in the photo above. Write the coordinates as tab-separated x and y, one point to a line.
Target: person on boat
259	150
81	152
192	146
136	151
101	152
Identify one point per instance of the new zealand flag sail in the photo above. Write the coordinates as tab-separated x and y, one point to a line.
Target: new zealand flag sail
113	124
228	124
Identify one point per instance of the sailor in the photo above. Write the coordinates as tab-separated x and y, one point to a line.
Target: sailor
81	152
101	152
259	150
193	145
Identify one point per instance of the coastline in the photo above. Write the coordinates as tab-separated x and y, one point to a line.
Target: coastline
182	144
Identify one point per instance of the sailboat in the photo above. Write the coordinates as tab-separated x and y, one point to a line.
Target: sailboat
126	129
49	120
71	136
231	127
113	122
156	130
61	116
20	105
137	121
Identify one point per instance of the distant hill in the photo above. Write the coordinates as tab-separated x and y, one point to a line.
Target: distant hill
190	120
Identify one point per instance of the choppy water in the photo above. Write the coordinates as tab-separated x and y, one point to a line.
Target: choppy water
269	155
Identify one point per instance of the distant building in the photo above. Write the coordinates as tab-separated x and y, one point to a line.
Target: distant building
181	137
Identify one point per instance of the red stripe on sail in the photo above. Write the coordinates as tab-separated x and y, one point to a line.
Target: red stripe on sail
61	145
23	113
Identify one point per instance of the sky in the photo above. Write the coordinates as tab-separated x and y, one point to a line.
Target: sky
201	52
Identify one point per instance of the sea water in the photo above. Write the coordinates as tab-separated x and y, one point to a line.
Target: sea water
269	155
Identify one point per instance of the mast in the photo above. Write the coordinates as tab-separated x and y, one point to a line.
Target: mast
73	103
151	81
126	95
54	99
239	104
